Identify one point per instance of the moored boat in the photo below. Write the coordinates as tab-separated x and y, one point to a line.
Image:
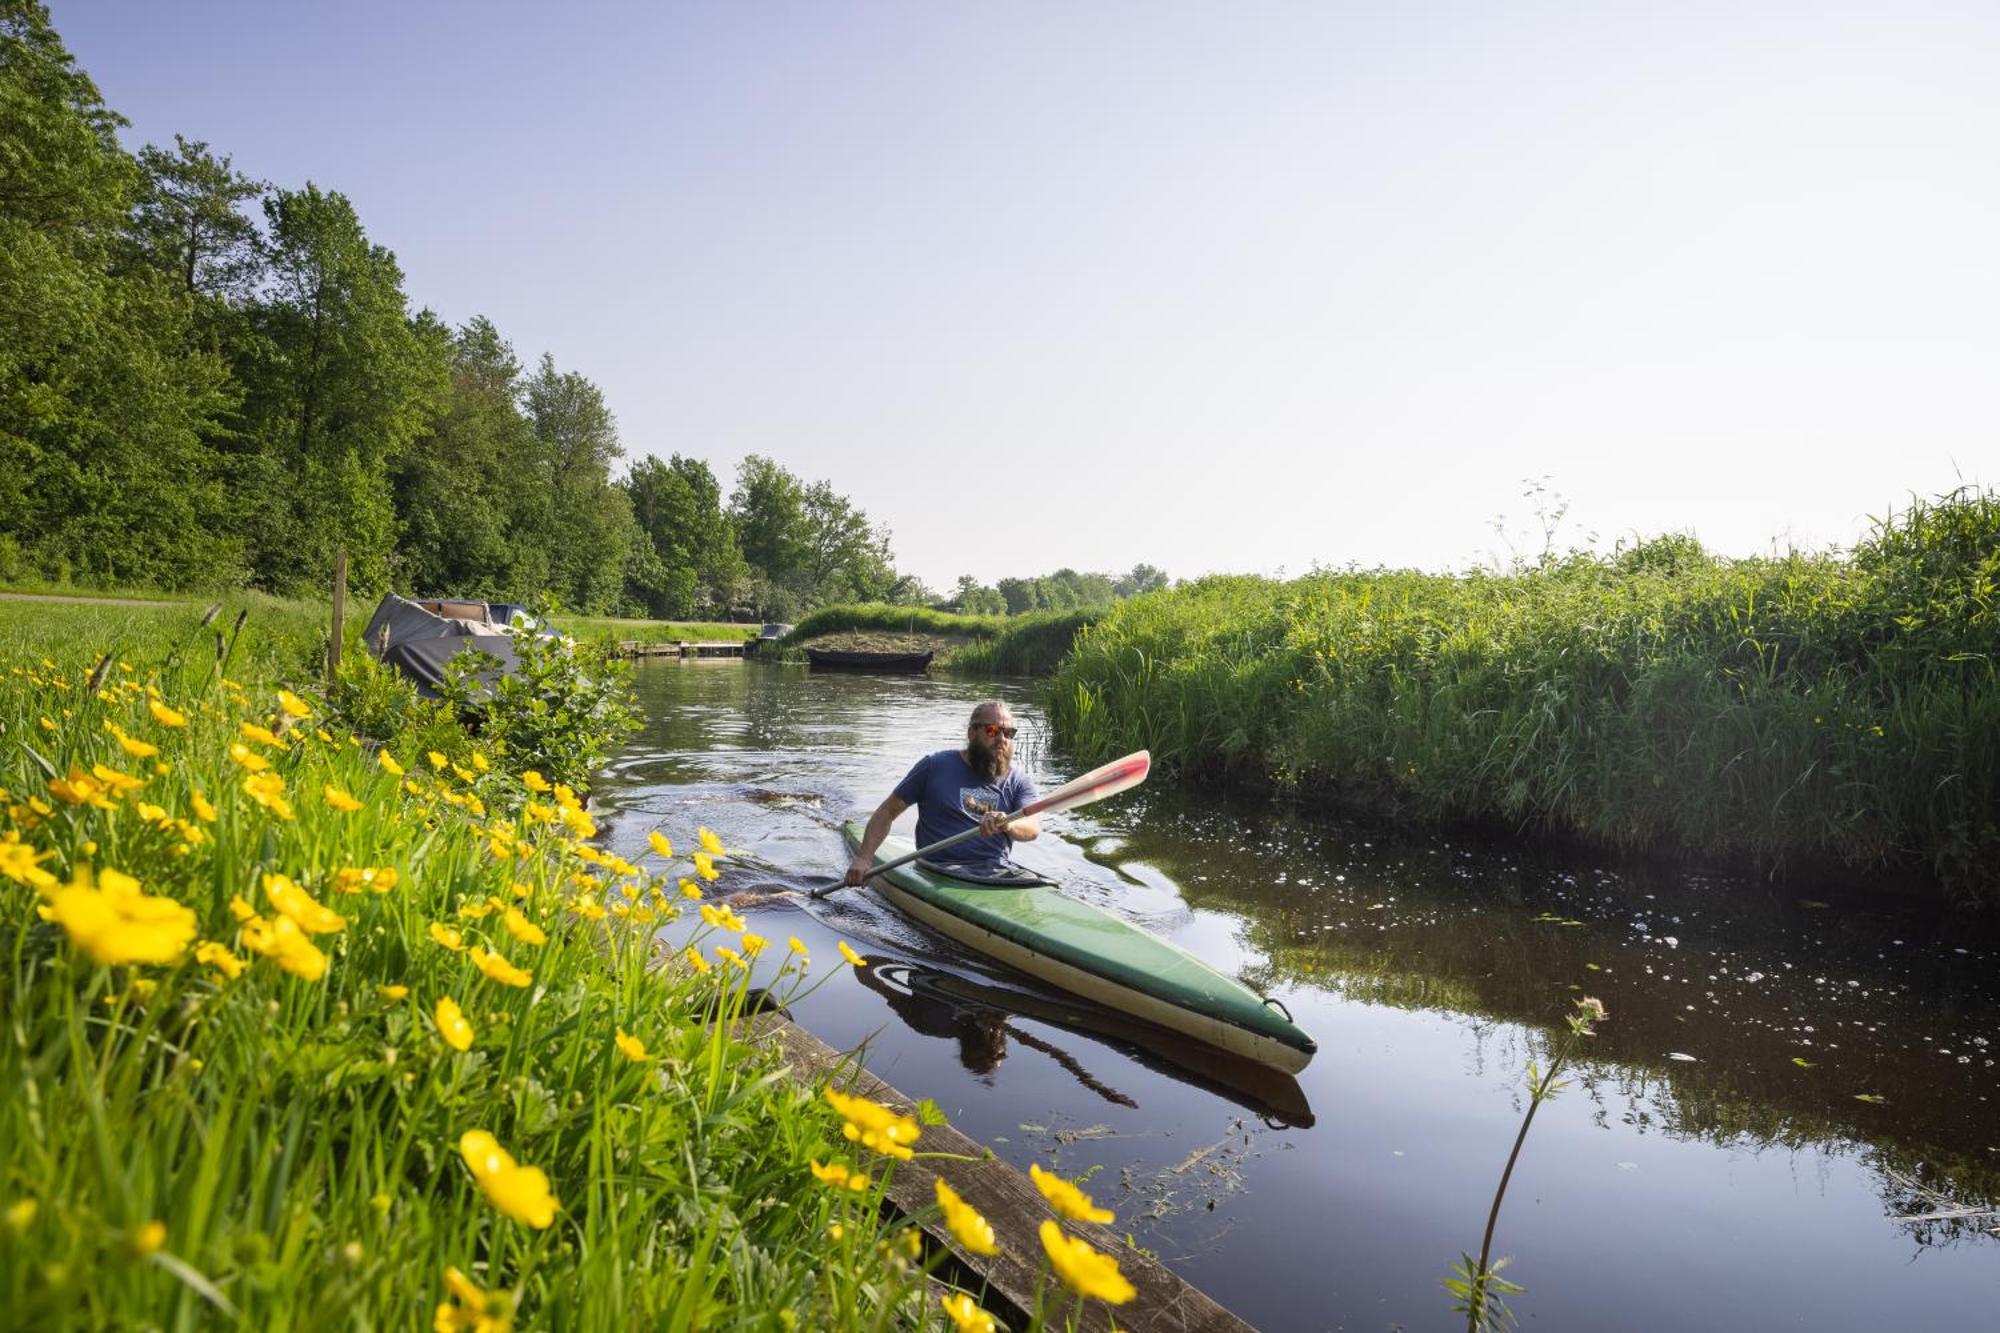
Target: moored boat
829	659
1090	952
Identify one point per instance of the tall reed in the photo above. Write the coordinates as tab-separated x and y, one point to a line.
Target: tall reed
1814	706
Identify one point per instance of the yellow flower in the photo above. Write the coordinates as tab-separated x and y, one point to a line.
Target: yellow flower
523	929
301	907
340	800
521	1192
965	1316
534	781
971	1230
1066	1198
165	716
293	705
754	944
248	757
22	863
119	784
79	788
709	842
661	844
632	1048
149	1238
696	961
262	735
114	922
268	790
281	939
470	1310
1083	1269
705	867
851	956
202	809
874	1126
151	814
21	1215
499	969
452	1024
131	745
796	945
448	937
438	761
690	889
723	918
730	956
389	764
218	957
839	1176
353	879
479	762
463	773
588	908
391	994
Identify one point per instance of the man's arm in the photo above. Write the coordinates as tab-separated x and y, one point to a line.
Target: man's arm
871	838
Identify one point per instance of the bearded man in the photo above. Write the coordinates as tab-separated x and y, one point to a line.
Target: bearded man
955	790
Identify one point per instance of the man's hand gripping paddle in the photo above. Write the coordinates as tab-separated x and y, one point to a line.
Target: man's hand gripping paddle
1114	777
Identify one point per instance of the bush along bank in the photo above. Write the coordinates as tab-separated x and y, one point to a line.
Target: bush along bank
1024	645
1819	708
305	1032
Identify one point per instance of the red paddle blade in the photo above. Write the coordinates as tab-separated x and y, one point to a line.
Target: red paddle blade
1116	776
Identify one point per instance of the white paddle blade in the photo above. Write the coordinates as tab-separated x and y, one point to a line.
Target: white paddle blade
1116	776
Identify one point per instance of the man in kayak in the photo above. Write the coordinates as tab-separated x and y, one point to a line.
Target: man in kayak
955	790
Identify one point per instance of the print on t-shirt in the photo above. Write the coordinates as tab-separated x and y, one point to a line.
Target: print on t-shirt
978	801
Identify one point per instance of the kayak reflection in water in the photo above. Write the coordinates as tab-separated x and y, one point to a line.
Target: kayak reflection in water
956	791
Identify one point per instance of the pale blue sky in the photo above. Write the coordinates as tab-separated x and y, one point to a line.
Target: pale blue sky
1217	287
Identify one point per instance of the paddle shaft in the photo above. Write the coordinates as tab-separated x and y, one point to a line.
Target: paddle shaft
937	846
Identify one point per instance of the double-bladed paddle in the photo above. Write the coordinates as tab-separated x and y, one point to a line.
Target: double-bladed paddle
1114	777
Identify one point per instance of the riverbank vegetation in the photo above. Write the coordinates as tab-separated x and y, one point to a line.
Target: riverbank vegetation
1029	644
300	1023
1808	707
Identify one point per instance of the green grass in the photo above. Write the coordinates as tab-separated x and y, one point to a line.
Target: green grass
185	1148
600	628
1806	707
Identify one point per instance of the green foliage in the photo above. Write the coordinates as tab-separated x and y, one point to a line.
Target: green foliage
560	711
216	1140
806	544
1776	708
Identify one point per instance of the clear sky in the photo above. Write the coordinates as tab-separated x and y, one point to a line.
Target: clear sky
1217	287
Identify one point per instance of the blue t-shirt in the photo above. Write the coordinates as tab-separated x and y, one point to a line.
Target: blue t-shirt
950	796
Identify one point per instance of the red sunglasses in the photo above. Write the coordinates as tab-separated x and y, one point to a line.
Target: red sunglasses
993	729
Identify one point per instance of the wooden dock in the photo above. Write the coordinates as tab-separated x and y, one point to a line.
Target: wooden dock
686	648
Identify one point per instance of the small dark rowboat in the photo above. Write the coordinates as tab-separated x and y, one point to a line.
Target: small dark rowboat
827	659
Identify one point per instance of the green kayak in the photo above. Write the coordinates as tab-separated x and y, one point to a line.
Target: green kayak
1090	952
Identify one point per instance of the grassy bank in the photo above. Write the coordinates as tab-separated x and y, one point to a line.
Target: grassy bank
302	1033
1844	708
1025	645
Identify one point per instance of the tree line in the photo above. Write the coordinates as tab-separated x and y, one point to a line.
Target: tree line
207	380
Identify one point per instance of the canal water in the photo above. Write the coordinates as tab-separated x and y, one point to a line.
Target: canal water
1783	1124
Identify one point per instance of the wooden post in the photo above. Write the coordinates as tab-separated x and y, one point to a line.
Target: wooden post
339	617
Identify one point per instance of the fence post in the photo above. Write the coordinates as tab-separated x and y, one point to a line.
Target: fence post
339	617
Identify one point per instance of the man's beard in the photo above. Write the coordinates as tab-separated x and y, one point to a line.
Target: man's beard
988	760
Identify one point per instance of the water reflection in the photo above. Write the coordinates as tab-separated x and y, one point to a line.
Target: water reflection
974	1011
1711	1166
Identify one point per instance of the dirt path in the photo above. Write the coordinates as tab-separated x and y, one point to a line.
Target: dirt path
97	601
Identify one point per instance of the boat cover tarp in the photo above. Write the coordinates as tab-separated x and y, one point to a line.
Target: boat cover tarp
421	643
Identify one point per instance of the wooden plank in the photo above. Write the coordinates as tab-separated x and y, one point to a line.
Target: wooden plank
1165	1302
339	617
